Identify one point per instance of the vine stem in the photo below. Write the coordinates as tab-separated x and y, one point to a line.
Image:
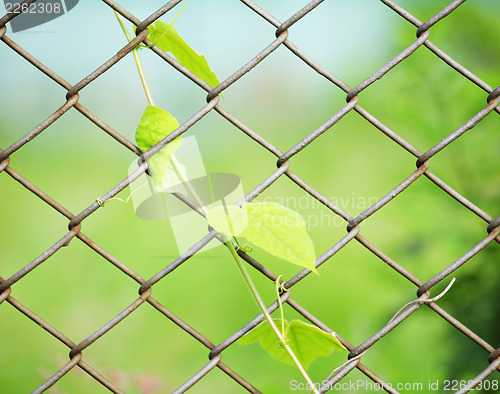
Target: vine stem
137	60
177	168
240	265
145	85
278	285
263	309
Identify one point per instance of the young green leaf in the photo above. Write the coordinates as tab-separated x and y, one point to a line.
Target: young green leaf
270	226
155	125
163	35
280	232
307	342
229	220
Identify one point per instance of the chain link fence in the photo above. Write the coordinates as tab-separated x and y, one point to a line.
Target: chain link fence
425	286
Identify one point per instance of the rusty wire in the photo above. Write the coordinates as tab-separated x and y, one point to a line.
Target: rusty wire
215	351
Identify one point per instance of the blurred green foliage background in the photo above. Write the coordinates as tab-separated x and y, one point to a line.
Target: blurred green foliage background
424	229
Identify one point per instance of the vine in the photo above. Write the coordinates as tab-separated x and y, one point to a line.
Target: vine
299	343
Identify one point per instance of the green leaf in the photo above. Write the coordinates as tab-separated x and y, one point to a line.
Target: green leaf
230	220
270	226
163	35
280	232
307	342
154	126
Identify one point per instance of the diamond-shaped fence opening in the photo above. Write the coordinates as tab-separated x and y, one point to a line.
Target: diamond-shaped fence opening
341	151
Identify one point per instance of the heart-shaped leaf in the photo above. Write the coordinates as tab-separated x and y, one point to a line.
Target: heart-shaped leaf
281	232
270	226
165	37
229	220
307	342
154	126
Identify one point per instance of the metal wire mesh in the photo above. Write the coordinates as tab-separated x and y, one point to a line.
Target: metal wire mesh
215	351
